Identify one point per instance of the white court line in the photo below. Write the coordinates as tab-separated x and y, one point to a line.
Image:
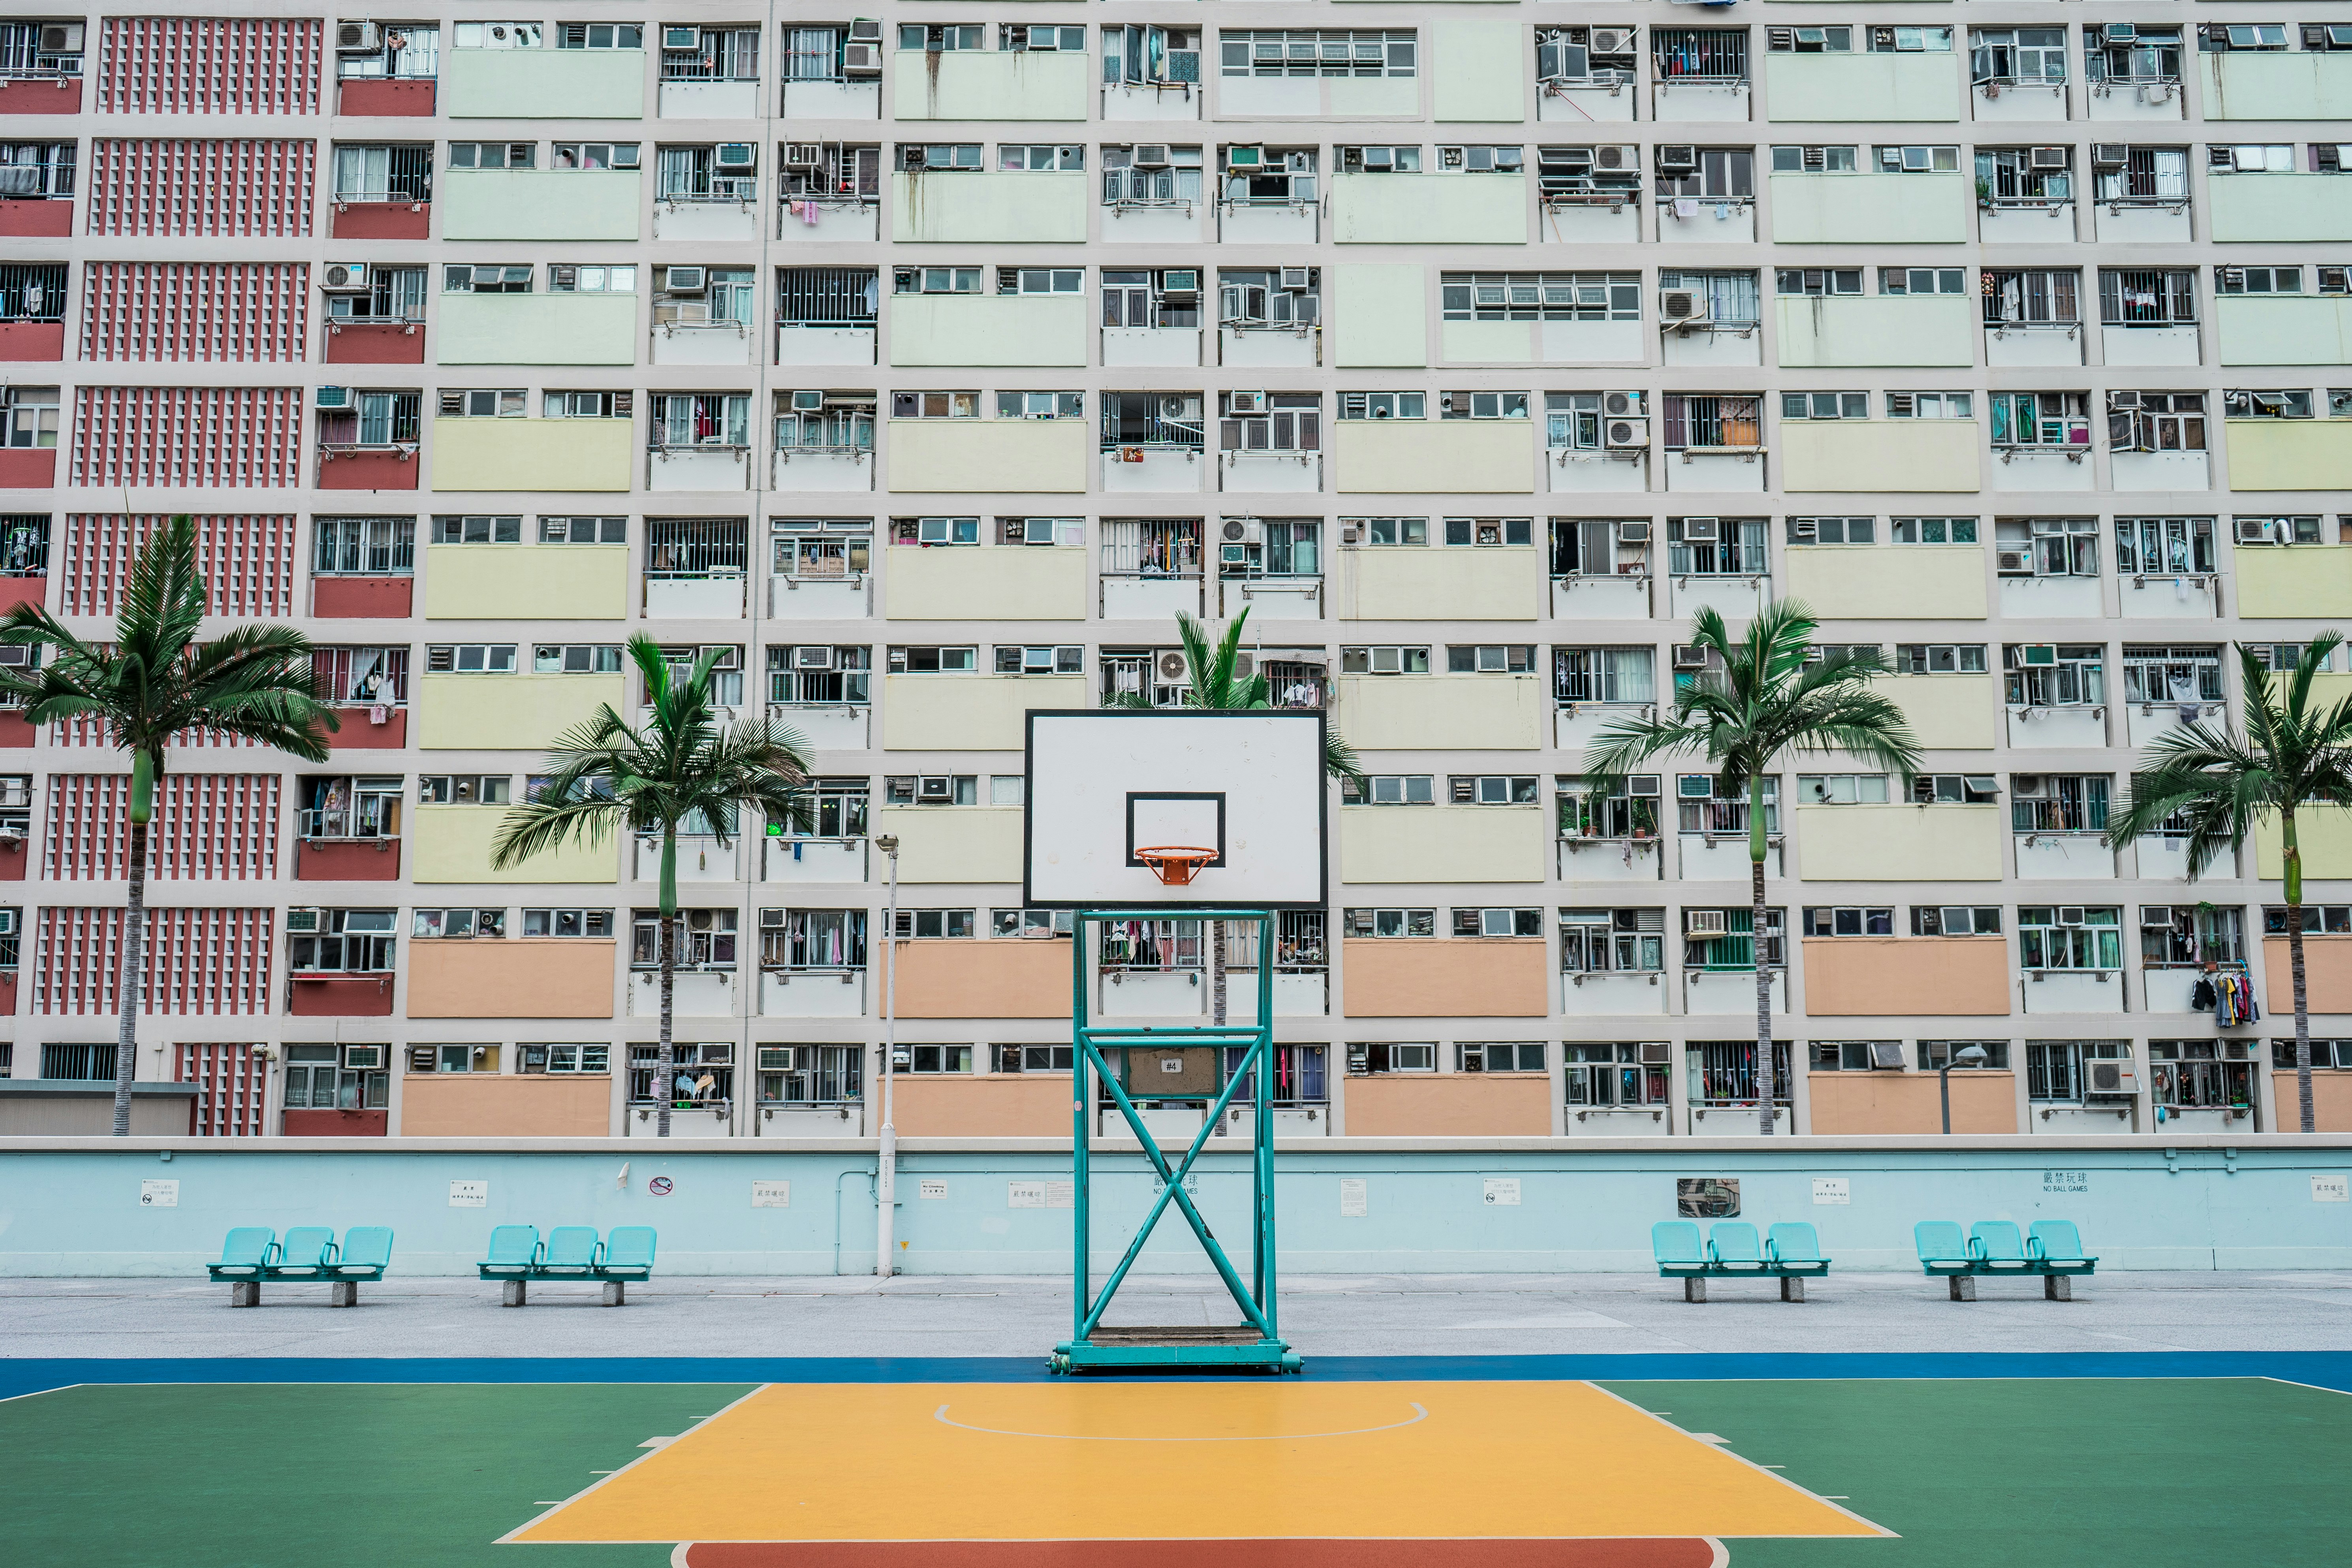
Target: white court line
612	1476
1721	1446
1420	1412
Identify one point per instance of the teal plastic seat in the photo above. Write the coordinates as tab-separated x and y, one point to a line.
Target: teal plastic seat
514	1253
304	1253
248	1252
1676	1244
2055	1247
628	1253
1793	1247
1943	1248
1997	1246
1733	1247
572	1252
366	1253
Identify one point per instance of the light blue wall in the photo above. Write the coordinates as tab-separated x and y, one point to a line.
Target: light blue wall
77	1211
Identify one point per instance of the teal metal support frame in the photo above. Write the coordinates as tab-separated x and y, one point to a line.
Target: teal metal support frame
1174	1349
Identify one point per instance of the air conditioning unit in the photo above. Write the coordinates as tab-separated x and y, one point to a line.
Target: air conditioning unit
2119	32
1689	655
1622	158
351	38
2027	786
1177	405
808	402
344	278
1886	1054
1682	308
1180	283
1611	40
304	920
2109	154
2109	1077
1626	434
1246	403
2012	560
865	30
2155	917
1615	404
334	397
935	786
811	658
1704	923
65	38
1296	278
1241	531
735	155
2258	531
1634	530
2048	158
1803	528
681	40
803	155
1152	157
1702	529
687	280
1677	159
1246	160
2123	400
1170	667
1352	532
2070	914
861	60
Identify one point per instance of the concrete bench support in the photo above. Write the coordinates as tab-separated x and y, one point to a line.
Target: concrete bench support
1695	1289
342	1292
616	1292
1791	1288
511	1293
2057	1288
245	1293
1964	1287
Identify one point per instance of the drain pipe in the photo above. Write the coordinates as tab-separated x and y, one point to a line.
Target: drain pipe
886	1194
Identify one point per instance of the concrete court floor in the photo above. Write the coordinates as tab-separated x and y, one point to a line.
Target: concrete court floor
1489	1314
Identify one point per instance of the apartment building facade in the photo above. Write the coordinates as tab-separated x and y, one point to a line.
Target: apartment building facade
927	364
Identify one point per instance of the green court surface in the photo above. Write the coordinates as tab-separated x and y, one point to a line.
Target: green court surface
2215	1472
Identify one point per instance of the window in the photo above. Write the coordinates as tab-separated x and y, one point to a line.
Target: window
838	176
934	923
1938	1053
313	1081
2053	1068
2051	937
1162	945
2324	1054
1599	547
703	938
344	942
825	675
1629	809
1714	422
1065	40
1491	789
1033	1058
28	416
1809	40
1833	530
1384	406
931	789
725	54
1047	158
1041	280
700	419
1039	404
1283	298
1733	299
2131	54
933	660
1847	921
1328	52
662	537
1270	176
2144	176
706	173
2187	936
1918	160
477	529
1384	660
1381	160
813	939
1137	54
483	403
1151	547
1841	789
470	659
2157	674
842	423
1718	173
1698	55
572	1058
1824	160
936	1059
2258	279
702	1075
1490	658
935	406
2017	54
346	807
1855	1056
23	55
2333	919
1935	531
1169	296
1390	789
1270	422
1582	674
1923	279
1569	55
1701	811
1575	420
2283	657
393	294
2156	421
1722	1073
1817	281
1955	789
2046	546
2033	297
2223	38
1383	1056
2050	675
378	419
383	173
1825	406
2047	419
939	158
1541	296
2017	176
36	171
576	659
1031	923
1150	175
569	155
445	924
1047	658
2289	404
1482	159
354	547
1498	1056
1955	920
1717	546
1613	942
1724	939
496	35
1482	405
593	923
493	154
935	38
587	405
811	1075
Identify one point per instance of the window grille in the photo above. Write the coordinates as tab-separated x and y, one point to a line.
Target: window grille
33	293
697	546
361	676
364	547
827	296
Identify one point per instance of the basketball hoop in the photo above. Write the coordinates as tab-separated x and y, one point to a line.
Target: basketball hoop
1176	865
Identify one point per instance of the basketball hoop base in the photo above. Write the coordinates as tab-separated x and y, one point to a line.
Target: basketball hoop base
1176	863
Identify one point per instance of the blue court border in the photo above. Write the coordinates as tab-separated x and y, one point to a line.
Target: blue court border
2319	1369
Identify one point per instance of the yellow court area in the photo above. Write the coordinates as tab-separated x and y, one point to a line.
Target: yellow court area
1141	1461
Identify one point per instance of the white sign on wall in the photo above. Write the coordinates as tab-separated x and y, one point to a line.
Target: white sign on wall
772	1195
931	1188
1831	1190
162	1194
1041	1194
1503	1191
2331	1189
470	1194
1355	1200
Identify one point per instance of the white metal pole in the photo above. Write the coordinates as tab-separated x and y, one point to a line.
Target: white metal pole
886	1188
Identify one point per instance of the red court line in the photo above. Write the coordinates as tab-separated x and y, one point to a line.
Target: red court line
1685	1552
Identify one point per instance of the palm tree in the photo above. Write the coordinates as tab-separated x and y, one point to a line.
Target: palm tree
1773	694
155	682
682	770
2293	754
1214	683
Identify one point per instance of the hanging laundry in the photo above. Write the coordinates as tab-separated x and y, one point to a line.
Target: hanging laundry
2234	1000
1685	208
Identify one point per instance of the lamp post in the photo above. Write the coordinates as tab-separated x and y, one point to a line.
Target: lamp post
1970	1056
885	1187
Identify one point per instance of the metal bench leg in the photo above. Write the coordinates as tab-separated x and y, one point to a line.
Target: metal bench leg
511	1293
244	1292
616	1292
342	1293
1694	1289
1964	1287
2057	1288
1791	1288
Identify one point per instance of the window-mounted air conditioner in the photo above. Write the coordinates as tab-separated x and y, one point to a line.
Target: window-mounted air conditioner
2123	400
1705	922
681	40
2048	158
1611	40
687	280
1689	655
804	154
1702	529
867	29
1297	278
861	60
735	155
811	658
1624	158
1241	531
1677	159
344	278
1180	283
1626	434
1803	528
808	402
1634	530
2155	917
304	920
1245	401
2119	32
1682	307
935	786
2109	154
351	38
1153	156
333	397
1246	160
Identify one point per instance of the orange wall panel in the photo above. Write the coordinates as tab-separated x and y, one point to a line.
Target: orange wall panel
984	978
1893	976
1889	1102
958	1105
2326	975
2331	1099
510	978
1450	1105
494	1105
1486	977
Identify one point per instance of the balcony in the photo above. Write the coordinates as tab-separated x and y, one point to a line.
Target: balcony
1906	977
381	727
325	859
843	596
968	713
1575	471
1879	455
1737	595
1434	456
30	342
37	218
826	727
452	844
2287	583
2096	991
694	596
508	713
1015	455
811	993
723	220
1877	582
1828	88
1285	596
2025	220
526	583
544	84
2062	856
1599	596
2142	472
2009	101
999	583
694	994
1597	860
1899	843
798	343
992	329
29	467
1008	84
833	99
704	466
1442	583
809	860
1150	595
385	218
352	467
489	456
2281	208
1732	991
385	98
2057	726
537	329
312	995
1429	209
1947	712
1150	348
1264	222
2262	85
983	207
1406	843
352	341
1153	470
1639	994
1871	209
2289	454
1897	330
1463	977
50	94
540	204
525	977
1696	220
823	470
1442	712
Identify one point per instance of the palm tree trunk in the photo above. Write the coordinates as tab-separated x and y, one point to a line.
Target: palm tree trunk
665	1090
1216	933
2292	854
1756	851
134	949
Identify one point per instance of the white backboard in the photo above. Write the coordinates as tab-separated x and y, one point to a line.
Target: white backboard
1105	781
